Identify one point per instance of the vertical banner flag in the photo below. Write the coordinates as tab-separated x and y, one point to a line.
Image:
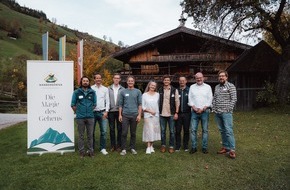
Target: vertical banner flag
80	54
62	44
45	46
50	119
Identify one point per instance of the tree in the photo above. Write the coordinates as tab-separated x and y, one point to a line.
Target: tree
93	60
252	16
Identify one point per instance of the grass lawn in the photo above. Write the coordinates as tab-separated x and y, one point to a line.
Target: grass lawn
263	161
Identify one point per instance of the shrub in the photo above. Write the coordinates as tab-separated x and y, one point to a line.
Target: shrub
267	96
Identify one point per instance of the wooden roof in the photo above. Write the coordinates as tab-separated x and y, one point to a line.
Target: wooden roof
260	58
123	54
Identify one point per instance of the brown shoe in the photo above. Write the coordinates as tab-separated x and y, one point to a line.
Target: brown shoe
82	155
163	149
113	149
171	150
91	154
223	150
232	154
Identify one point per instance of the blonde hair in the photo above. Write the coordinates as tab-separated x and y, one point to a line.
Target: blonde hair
147	87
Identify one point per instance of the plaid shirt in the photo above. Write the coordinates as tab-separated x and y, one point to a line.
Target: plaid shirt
225	98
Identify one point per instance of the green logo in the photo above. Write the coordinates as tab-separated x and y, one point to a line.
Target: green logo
50	78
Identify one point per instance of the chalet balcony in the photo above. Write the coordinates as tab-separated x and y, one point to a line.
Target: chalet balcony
190	57
174	78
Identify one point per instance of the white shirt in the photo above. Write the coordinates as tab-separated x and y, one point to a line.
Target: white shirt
103	101
150	102
116	91
200	95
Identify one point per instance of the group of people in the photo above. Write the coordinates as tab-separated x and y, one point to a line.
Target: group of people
181	109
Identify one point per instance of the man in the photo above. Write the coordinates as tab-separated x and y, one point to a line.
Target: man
224	100
183	120
114	91
101	111
130	108
168	109
200	99
83	103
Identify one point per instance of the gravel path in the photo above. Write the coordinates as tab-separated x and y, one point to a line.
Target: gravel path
7	120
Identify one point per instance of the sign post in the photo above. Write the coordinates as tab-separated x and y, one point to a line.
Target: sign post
50	118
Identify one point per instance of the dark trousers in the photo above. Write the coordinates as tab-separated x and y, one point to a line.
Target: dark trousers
182	122
129	121
113	118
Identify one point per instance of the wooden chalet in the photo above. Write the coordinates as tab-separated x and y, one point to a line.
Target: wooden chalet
183	51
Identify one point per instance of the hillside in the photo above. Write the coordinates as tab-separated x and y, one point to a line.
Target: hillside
30	29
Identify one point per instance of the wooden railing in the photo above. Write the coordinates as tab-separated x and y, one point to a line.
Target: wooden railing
188	57
174	78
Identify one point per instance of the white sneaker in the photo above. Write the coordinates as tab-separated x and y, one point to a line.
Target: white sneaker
152	149
104	152
148	150
133	151
123	153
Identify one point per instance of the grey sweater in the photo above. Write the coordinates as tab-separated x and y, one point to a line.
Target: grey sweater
130	100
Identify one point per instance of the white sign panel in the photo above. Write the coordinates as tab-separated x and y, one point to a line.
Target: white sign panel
50	117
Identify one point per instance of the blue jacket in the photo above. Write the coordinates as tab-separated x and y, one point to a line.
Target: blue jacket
85	102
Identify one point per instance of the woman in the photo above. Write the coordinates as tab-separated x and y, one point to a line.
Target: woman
151	128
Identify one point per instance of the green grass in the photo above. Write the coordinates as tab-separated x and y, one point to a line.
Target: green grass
263	161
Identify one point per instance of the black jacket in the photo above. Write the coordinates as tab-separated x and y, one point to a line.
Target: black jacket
183	98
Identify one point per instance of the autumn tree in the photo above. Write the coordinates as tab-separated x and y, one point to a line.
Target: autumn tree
229	17
93	60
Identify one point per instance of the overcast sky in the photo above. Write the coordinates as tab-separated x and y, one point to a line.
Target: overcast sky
129	21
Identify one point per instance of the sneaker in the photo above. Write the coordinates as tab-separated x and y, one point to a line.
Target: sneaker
204	150
104	152
133	151
148	150
193	150
232	154
223	150
123	153
186	150
152	149
82	155
177	150
163	149
171	150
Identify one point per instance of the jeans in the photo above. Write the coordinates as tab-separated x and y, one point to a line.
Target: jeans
183	121
85	124
113	118
225	124
203	118
170	121
103	129
129	120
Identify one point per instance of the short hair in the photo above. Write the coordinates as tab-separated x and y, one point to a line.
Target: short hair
223	71
117	74
81	81
130	76
166	76
182	76
97	74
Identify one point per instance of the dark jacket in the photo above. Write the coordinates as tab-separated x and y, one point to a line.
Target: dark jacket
171	100
183	98
85	102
